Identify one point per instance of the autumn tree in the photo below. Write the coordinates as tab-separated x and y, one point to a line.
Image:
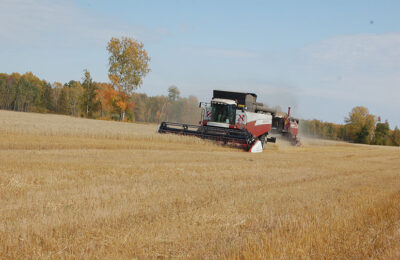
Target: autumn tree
140	101
75	92
57	87
8	90
89	94
106	97
360	125
129	64
47	97
124	105
29	93
63	101
70	98
382	134
396	136
3	89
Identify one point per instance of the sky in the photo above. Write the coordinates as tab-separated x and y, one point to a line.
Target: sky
322	58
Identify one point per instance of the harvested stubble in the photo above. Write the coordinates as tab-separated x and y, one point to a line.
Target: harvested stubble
72	188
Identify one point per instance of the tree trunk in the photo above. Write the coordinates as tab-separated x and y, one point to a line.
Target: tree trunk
122	115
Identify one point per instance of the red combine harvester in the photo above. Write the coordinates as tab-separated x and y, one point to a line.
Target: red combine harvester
287	126
233	118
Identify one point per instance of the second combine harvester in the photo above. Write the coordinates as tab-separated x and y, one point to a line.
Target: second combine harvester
237	119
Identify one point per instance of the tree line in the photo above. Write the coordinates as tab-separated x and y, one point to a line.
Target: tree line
90	99
360	127
101	100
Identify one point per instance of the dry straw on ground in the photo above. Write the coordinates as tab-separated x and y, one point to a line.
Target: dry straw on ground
79	188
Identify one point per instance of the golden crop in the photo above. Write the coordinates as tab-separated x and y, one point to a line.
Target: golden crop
78	188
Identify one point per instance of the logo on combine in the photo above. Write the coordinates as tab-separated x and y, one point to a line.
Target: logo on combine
241	119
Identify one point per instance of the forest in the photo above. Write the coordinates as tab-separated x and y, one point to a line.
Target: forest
92	99
100	100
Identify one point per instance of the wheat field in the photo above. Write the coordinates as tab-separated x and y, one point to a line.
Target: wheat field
79	188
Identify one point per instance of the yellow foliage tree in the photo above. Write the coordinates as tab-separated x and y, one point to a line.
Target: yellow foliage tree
360	125
129	64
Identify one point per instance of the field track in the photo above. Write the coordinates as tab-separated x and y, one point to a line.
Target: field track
78	188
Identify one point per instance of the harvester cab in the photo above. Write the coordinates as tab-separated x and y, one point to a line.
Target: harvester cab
220	111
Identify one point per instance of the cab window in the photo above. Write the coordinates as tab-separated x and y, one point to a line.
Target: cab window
223	113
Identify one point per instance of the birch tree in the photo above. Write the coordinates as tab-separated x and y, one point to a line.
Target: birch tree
128	65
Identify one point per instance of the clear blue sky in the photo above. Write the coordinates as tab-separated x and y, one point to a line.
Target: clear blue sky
320	57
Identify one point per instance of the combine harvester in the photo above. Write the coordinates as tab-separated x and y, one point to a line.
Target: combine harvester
287	126
236	119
